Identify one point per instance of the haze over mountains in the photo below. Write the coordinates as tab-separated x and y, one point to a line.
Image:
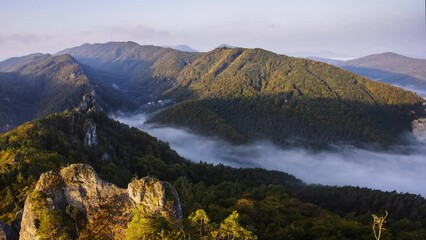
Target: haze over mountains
256	80
290	101
392	68
41	84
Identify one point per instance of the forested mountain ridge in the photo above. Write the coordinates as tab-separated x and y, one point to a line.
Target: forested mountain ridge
37	85
239	94
290	101
267	201
144	71
255	94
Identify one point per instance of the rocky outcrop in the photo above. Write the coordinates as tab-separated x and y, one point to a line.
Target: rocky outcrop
75	202
91	136
419	129
155	195
89	104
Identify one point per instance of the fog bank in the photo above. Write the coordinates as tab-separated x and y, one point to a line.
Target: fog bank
349	166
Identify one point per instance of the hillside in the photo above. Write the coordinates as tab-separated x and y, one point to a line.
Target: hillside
391	62
37	85
248	94
142	71
244	95
391	68
241	95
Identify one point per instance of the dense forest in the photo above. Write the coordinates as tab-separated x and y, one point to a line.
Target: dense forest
269	204
238	94
251	94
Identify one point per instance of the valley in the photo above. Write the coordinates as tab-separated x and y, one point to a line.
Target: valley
233	126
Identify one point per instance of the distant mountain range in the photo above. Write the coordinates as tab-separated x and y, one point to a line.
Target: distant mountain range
392	68
183	48
238	94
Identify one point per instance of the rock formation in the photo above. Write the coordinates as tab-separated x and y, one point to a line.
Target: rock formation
91	137
419	129
89	104
76	203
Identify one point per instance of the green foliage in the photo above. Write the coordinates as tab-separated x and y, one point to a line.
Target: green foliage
249	94
271	204
50	223
146	227
200	220
231	229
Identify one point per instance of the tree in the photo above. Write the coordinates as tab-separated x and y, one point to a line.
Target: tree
199	219
230	229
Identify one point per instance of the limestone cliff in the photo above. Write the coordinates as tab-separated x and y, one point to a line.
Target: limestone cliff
76	203
419	129
89	103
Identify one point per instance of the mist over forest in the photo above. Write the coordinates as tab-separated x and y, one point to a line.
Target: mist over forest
401	170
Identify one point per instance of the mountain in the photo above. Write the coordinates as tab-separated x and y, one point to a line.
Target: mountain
271	204
183	48
37	85
11	64
326	54
241	95
251	94
389	67
326	60
224	45
142	71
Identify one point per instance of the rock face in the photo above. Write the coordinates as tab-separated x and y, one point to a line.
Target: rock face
91	137
75	202
419	129
89	104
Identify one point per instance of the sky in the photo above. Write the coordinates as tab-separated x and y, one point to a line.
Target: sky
327	28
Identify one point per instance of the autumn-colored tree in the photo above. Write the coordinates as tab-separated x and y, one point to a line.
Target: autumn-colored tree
230	229
199	219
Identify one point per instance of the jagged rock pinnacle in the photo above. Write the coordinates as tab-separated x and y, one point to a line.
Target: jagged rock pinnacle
78	189
88	103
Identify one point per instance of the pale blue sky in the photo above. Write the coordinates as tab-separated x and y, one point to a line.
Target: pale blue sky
349	28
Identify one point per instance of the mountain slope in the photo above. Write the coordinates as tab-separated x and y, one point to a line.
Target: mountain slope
257	94
38	85
145	71
252	94
391	68
391	62
183	48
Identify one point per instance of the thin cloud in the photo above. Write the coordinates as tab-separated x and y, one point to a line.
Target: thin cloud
400	171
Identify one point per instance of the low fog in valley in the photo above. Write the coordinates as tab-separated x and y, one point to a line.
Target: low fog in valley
403	172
